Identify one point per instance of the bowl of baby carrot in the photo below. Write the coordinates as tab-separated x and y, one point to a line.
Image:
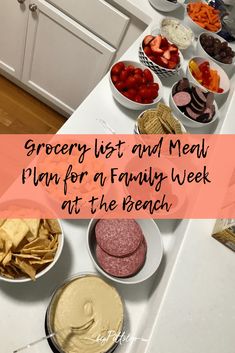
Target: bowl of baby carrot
201	17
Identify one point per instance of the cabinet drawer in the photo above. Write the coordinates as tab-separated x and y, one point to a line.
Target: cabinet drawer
98	16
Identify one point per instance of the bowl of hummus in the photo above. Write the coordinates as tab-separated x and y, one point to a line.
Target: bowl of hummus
87	314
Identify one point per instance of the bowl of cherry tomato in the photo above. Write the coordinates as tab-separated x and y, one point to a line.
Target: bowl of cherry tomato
134	86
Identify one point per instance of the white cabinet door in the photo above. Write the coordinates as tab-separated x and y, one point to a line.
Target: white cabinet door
98	16
13	27
63	61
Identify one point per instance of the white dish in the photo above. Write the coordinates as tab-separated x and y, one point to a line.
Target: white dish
224	80
200	51
128	103
164	5
184	118
46	269
153	257
180	28
197	30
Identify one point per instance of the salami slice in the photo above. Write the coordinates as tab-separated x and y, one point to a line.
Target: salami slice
203	118
195	109
122	266
183	85
209	99
191	114
182	99
199	95
118	237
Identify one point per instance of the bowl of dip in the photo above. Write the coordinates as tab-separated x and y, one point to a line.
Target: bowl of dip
176	32
85	310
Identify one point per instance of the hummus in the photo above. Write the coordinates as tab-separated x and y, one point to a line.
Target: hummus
177	33
95	312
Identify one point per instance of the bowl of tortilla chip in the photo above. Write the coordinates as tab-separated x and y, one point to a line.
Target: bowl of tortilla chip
29	247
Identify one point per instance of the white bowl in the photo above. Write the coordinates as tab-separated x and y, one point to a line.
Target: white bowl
136	128
224	80
46	269
164	23
159	70
197	30
200	51
153	257
128	103
164	5
184	118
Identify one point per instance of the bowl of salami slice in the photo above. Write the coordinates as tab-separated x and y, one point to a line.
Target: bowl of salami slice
192	105
126	251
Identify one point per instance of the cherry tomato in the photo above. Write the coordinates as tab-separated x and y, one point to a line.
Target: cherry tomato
155	84
143	92
124	74
114	78
138	99
120	86
131	82
130	69
144	81
147	101
127	95
138	78
153	92
132	93
148	75
138	71
117	68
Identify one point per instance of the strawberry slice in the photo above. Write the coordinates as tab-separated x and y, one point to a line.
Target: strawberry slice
167	54
156	50
173	48
164	43
171	64
156	42
148	39
175	58
148	50
164	60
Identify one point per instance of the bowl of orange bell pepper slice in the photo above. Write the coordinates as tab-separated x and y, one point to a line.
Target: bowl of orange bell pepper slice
208	75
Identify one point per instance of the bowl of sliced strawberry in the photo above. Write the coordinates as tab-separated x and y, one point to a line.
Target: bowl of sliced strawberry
160	55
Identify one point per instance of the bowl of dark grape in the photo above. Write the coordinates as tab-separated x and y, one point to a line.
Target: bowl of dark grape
217	49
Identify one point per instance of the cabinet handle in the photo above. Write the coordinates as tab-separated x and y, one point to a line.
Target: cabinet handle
33	7
21	1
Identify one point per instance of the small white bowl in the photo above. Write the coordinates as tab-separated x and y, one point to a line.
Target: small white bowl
170	36
153	257
128	103
197	30
184	118
224	80
161	71
164	5
46	269
200	51
136	128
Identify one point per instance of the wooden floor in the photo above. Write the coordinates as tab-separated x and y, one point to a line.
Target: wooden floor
20	113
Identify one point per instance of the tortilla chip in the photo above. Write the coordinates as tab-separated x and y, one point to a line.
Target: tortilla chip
33	225
16	230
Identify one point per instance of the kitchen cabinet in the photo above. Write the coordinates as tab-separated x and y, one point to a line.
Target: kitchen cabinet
13	27
59	50
63	60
